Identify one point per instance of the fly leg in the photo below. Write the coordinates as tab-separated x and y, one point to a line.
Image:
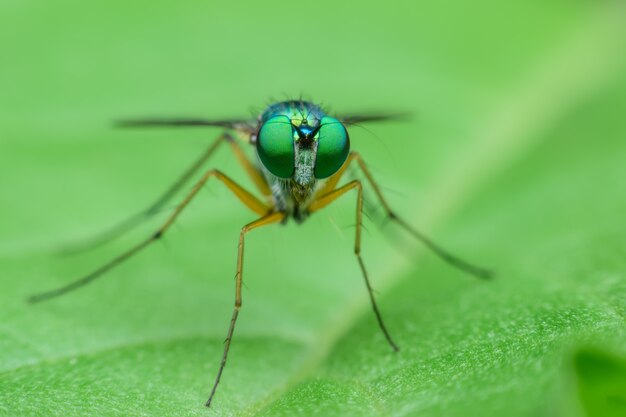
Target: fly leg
243	195
324	200
132	222
446	256
263	221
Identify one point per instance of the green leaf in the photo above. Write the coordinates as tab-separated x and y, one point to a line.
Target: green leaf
515	161
602	383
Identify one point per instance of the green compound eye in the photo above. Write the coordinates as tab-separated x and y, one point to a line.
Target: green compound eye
333	146
275	146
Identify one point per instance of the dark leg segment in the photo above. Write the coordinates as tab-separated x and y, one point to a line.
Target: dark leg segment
263	221
438	250
158	205
244	196
325	200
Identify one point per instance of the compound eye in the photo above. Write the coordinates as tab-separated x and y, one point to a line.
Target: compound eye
275	146
333	146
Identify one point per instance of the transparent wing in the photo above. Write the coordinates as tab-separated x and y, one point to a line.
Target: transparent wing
236	124
374	117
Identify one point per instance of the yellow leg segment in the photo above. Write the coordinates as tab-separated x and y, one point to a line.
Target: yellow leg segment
253	172
438	250
128	224
244	196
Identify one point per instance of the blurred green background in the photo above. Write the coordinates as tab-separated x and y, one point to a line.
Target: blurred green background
515	159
